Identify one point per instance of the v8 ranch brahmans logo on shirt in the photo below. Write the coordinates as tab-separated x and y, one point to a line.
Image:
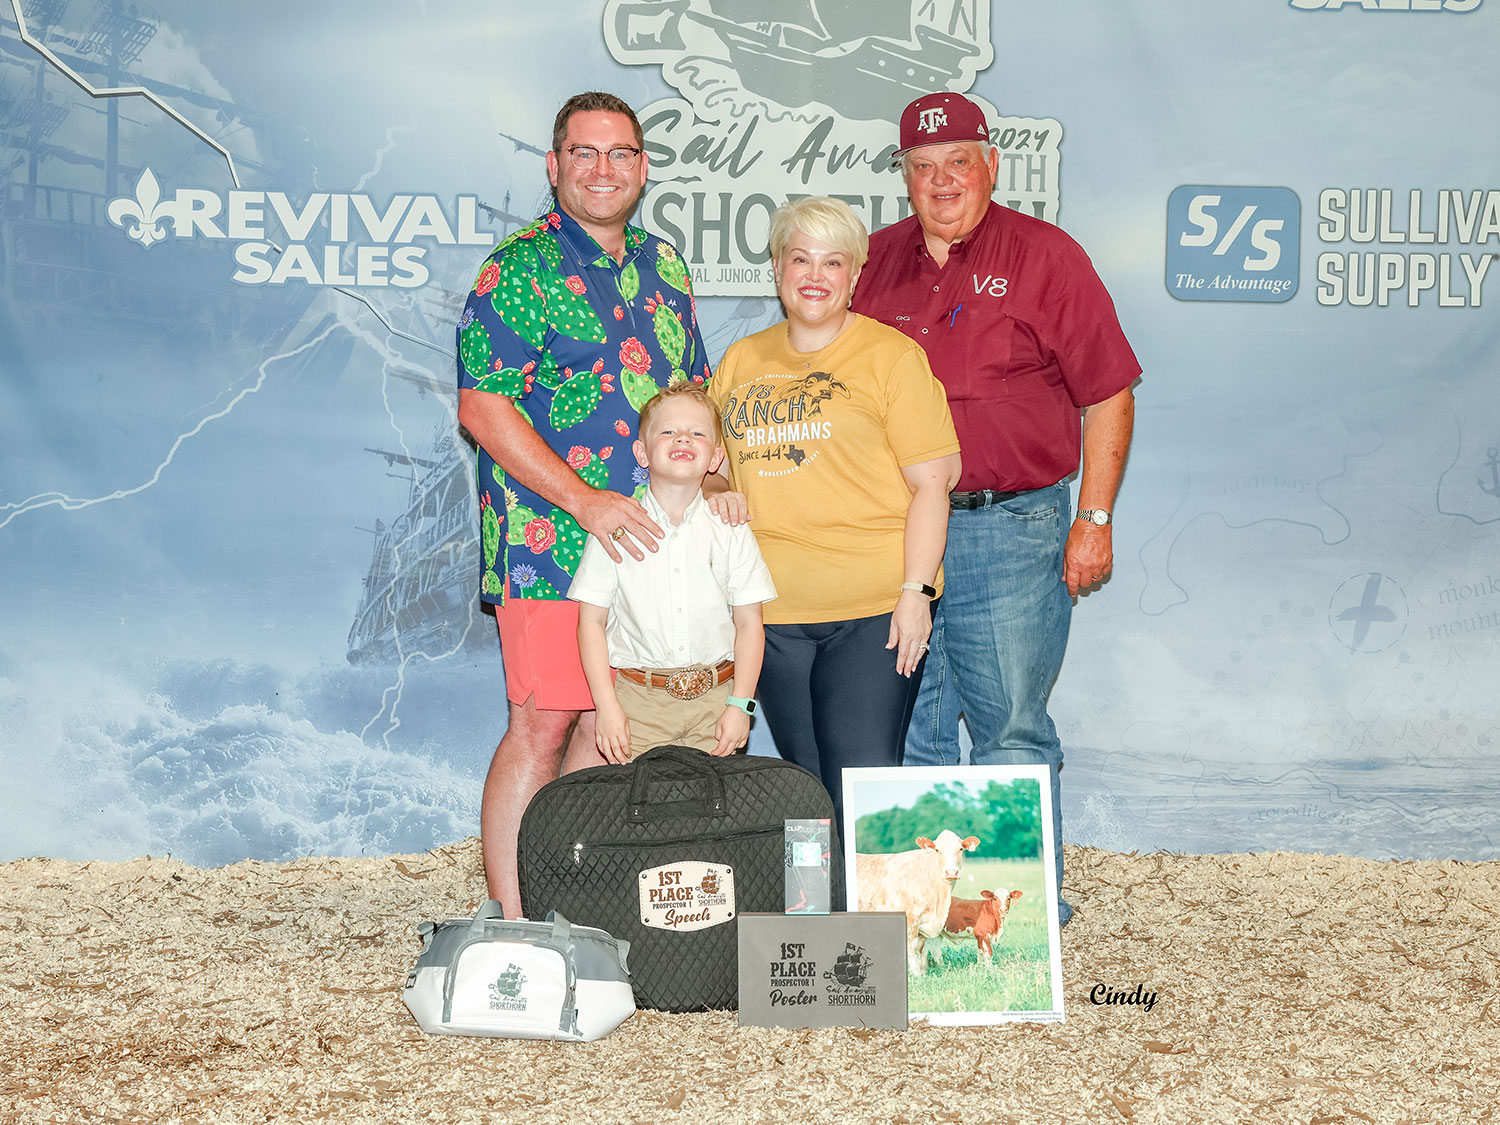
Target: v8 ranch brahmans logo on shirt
779	417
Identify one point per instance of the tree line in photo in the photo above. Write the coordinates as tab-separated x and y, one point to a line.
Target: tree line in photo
1004	816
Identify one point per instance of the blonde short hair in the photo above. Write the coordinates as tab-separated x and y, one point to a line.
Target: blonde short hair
683	388
826	219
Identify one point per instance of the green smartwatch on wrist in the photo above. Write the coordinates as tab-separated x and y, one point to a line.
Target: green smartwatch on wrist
745	705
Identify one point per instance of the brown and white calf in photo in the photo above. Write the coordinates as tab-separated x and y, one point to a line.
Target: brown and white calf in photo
983	919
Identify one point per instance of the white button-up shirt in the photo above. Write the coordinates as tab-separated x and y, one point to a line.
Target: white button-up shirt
673	608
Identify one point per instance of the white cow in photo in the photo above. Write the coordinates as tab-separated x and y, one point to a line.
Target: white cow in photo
918	883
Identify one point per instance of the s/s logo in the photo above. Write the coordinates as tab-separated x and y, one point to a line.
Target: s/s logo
1232	243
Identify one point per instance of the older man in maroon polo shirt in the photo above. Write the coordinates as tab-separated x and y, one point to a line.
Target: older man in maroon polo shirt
1024	337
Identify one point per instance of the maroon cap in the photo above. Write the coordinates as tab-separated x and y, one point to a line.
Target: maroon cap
941	119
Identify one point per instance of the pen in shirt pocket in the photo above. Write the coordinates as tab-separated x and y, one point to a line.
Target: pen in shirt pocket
953	313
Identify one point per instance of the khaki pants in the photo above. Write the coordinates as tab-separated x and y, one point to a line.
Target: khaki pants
658	718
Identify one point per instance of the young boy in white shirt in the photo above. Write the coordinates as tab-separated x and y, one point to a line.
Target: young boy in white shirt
683	625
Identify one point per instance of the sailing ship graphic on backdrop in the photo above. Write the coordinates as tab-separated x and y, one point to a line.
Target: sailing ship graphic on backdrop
864	61
419	593
802	97
77	209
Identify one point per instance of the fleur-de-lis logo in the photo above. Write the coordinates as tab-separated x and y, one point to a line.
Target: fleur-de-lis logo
147	210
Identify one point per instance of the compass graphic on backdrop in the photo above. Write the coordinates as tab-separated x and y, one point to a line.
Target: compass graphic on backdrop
1368	612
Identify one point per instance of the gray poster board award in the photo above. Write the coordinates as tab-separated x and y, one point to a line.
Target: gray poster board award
823	970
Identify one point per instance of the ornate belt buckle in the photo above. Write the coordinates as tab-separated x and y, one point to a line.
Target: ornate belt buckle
690	683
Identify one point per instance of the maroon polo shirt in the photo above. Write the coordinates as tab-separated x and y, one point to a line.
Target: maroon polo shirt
1019	329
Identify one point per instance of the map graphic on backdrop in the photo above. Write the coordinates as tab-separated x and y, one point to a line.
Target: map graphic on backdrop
236	519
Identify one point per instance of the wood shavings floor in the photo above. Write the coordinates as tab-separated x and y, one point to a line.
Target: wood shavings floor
1290	988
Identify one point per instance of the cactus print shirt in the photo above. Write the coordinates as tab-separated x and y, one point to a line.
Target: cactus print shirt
579	342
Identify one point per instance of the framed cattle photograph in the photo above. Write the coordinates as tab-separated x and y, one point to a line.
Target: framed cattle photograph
966	853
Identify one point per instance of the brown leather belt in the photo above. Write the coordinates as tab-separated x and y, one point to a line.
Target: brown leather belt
686	683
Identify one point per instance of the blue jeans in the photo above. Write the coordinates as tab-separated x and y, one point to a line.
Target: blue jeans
998	637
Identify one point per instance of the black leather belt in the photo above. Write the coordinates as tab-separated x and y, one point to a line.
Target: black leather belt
983	498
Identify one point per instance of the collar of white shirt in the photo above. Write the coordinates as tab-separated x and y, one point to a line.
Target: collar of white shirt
694	510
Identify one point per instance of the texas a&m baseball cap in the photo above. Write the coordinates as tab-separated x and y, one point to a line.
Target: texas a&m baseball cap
940	119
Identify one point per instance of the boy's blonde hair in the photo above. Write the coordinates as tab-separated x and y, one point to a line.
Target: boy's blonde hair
683	388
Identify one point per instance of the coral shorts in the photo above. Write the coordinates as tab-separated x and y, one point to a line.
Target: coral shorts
539	645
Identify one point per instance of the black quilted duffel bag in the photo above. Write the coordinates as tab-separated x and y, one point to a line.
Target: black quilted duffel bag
666	853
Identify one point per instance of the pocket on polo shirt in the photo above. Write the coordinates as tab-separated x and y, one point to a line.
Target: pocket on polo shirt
976	357
1030	369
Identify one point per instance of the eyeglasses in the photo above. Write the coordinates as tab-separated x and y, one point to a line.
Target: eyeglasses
622	157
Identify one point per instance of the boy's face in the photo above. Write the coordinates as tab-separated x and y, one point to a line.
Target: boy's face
680	445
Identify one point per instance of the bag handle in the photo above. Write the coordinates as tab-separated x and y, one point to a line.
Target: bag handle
712	803
489	909
560	940
492	910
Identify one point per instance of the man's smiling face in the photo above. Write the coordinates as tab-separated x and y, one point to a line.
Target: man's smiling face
950	186
599	196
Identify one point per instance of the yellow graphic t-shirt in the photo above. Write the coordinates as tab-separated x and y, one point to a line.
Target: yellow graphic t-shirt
817	442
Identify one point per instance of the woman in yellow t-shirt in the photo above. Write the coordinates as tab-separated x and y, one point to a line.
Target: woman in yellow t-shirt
841	440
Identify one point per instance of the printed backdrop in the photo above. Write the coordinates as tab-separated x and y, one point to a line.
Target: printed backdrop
237	531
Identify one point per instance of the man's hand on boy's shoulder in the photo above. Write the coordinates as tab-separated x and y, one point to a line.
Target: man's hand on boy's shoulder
732	732
617	520
731	507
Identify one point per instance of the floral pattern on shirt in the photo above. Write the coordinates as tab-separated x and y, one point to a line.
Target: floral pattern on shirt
555	324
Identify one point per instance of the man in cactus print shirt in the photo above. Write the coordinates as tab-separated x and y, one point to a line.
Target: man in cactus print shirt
573	323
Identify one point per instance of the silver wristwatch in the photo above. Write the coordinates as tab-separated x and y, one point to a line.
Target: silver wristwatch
1097	516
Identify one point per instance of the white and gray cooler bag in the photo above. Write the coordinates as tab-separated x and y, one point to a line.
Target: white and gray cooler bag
522	980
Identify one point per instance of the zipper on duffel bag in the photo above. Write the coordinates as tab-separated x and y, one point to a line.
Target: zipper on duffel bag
646	846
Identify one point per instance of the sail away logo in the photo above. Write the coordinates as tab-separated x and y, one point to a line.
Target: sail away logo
781	98
505	990
328	238
862	61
